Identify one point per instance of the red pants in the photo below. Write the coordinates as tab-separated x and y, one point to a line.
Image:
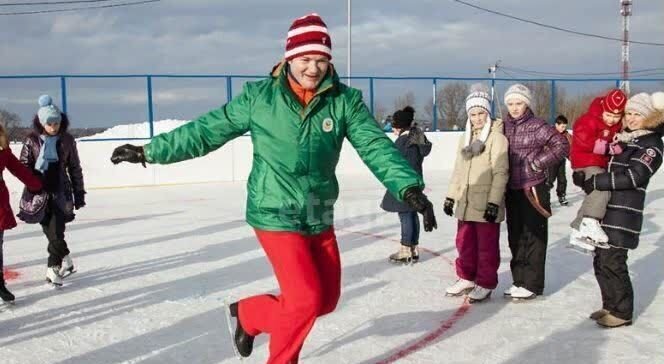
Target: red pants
308	269
479	253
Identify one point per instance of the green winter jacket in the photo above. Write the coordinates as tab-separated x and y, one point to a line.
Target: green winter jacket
292	185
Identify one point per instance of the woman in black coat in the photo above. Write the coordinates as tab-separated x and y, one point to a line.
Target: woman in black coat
414	146
627	178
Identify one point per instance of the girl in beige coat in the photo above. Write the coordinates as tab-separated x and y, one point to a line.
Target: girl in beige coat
477	189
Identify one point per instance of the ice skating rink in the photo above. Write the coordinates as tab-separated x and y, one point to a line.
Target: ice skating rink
155	265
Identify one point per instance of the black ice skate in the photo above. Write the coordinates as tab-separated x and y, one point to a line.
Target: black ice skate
7	297
243	343
563	200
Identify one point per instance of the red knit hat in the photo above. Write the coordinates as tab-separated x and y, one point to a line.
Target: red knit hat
614	102
308	35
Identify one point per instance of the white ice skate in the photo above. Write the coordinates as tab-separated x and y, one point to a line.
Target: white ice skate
580	243
460	288
479	294
591	229
508	292
67	267
522	294
53	276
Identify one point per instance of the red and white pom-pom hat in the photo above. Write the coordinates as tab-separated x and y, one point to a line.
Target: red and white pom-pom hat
308	35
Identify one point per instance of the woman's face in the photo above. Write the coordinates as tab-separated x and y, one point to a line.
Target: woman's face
634	120
52	128
516	108
477	117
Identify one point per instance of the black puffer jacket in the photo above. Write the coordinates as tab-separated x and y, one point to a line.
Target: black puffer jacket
627	178
414	146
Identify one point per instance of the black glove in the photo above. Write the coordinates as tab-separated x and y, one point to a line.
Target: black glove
79	199
578	178
448	206
491	212
128	153
589	185
416	200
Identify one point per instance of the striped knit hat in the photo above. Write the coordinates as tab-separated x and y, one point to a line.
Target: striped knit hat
478	97
308	35
519	92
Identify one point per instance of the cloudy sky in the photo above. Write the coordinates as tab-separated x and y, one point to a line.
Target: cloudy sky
389	38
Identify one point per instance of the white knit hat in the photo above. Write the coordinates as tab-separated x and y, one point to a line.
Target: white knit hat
479	97
519	92
641	103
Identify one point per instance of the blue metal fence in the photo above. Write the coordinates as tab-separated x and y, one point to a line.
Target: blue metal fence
370	79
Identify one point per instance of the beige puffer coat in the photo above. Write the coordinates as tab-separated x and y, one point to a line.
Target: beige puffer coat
481	179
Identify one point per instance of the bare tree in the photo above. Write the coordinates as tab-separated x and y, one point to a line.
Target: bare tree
11	121
451	102
380	112
407	99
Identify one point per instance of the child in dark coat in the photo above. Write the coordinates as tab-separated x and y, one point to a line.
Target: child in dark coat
414	146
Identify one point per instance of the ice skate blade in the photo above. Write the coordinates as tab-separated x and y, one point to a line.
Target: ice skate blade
231	332
581	250
524	299
462	293
68	273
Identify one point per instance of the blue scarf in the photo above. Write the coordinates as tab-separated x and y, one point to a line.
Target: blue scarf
48	152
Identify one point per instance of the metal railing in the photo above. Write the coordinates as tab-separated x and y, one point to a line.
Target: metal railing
435	82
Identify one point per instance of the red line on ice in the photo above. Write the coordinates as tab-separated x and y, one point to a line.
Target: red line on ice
434	335
11	274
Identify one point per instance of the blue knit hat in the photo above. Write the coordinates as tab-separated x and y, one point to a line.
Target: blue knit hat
48	113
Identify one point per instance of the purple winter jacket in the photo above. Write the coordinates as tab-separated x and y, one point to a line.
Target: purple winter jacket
532	141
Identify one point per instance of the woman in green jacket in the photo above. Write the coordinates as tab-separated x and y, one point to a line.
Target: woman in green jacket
298	119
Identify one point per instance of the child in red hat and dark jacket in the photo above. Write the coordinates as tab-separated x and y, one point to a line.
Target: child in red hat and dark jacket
592	146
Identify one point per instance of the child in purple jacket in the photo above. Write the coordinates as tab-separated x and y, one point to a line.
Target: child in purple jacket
534	147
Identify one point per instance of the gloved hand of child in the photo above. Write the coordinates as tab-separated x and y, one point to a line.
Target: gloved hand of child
601	147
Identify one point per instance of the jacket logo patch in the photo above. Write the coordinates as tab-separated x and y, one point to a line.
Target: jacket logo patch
646	158
328	125
651	152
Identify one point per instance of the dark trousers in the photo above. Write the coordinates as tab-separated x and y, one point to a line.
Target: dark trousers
557	172
53	226
410	228
527	233
614	283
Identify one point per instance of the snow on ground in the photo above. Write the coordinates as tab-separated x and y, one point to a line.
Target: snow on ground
155	265
138	130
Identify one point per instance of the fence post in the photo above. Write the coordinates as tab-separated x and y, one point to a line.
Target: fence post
552	113
63	93
150	106
493	98
371	96
229	89
434	122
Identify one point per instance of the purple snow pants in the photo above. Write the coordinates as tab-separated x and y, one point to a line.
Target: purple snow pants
479	253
